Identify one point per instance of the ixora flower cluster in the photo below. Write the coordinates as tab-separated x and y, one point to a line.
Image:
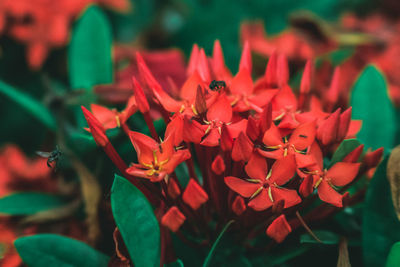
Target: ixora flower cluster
263	150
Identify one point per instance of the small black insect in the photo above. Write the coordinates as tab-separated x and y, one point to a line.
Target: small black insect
304	136
52	156
217	85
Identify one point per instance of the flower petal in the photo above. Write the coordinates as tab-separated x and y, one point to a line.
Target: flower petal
290	197
279	229
327	194
283	169
144	147
343	173
242	148
220	110
261	201
242	187
257	167
242	84
272	136
303	136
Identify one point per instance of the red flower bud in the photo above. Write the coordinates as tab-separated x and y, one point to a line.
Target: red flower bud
226	139
328	129
173	219
266	118
334	90
97	130
306	79
282	71
245	60
218	165
252	129
271	78
279	229
372	158
344	124
238	205
242	148
140	97
194	195
200	104
354	155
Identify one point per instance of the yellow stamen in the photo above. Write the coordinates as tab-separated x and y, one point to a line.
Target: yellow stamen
253	181
318	183
285	152
208	129
268	175
118	121
182	109
194	110
270	194
257	192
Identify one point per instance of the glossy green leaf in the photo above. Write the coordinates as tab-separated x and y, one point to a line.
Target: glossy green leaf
89	52
28	203
137	223
393	259
34	107
211	253
344	149
371	104
327	238
380	228
49	250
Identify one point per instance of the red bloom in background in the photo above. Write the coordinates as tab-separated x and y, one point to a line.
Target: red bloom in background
155	160
264	187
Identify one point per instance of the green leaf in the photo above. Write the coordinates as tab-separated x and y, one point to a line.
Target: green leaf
344	149
393	259
48	250
89	52
210	255
177	263
371	104
380	228
35	108
137	223
28	203
327	238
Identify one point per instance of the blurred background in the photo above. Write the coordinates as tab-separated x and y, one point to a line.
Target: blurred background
45	47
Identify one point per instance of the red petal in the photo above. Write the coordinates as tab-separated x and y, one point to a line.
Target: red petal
252	129
343	173
173	219
189	88
242	83
316	152
212	138
242	187
236	128
194	195
285	99
129	110
238	205
242	148
226	139
303	136
175	129
144	147
261	201
279	229
282	170
306	187
333	93
245	60
192	130
177	158
327	194
105	116
140	97
272	137
173	189
266	119
290	197
218	165
202	66
221	110
354	128
303	161
221	72
257	167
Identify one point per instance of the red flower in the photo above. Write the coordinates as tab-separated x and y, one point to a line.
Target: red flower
265	187
301	138
155	160
327	180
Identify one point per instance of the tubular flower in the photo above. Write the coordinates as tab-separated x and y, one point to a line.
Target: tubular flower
264	187
156	160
